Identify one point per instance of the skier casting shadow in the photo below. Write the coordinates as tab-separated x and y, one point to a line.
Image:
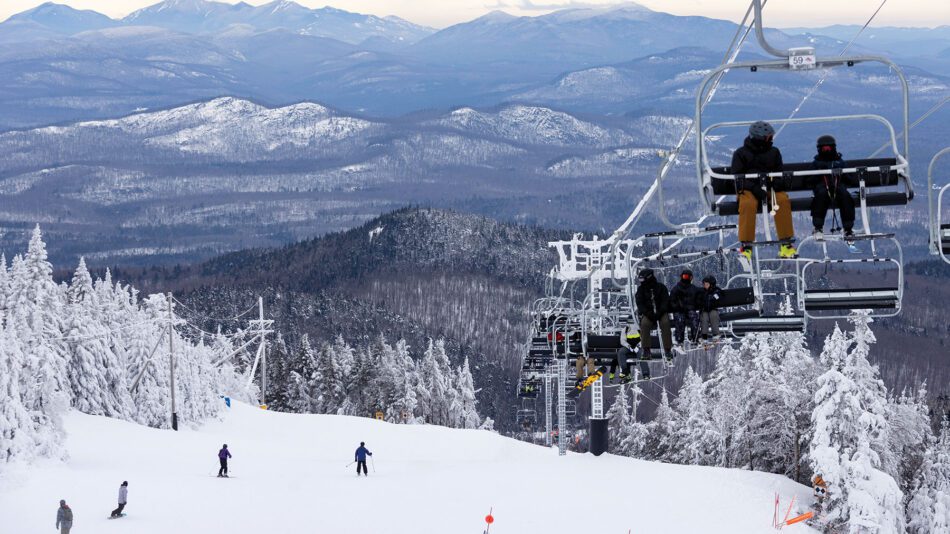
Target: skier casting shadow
361	454
223	456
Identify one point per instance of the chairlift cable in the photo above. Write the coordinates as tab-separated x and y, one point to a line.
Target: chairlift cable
825	74
929	112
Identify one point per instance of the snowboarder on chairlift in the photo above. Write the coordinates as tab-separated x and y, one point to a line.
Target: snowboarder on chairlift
684	303
64	517
361	453
755	156
831	190
629	340
223	456
123	499
708	308
653	301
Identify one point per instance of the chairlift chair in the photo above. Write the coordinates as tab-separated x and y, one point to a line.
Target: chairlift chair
818	302
939	229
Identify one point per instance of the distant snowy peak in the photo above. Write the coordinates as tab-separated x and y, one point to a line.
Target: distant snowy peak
533	125
229	125
627	11
202	16
64	19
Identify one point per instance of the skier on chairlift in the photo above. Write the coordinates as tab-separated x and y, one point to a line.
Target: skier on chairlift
831	190
653	301
709	308
684	303
757	155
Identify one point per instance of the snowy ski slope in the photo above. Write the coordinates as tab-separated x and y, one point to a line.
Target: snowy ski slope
290	476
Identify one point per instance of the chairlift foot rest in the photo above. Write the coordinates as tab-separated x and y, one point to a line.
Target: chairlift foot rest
849	299
776	323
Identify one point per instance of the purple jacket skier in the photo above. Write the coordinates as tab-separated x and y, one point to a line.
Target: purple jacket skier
223	456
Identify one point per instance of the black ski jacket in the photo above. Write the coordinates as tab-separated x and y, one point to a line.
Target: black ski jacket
709	298
752	158
685	297
653	299
822	184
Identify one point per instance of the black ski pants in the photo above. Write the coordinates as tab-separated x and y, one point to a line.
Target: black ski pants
361	463
224	467
118	510
683	320
837	197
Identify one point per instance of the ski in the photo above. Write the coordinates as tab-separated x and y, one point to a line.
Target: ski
117	516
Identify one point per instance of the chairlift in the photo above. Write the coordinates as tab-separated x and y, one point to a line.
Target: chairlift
832	297
526	415
939	229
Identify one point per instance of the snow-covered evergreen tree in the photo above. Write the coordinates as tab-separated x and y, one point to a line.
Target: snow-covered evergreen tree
468	413
618	418
909	434
929	508
694	438
98	379
848	421
661	431
726	403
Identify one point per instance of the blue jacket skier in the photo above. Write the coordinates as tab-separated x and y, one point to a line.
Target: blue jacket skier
361	453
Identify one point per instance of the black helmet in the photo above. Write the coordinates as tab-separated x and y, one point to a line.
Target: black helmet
711	280
826	140
225	445
362	443
686	275
761	130
645	274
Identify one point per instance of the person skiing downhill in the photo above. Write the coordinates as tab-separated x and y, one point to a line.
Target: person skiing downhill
64	517
123	499
361	453
223	456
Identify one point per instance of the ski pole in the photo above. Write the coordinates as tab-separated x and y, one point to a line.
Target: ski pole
351	463
373	463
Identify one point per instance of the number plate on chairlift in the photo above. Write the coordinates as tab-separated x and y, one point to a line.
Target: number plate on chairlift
690	230
801	58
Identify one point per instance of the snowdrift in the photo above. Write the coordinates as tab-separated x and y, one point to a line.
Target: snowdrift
290	475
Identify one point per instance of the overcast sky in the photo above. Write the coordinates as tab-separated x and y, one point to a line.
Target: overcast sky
441	13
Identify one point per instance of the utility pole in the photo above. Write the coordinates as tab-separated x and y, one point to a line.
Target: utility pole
171	359
263	349
261	356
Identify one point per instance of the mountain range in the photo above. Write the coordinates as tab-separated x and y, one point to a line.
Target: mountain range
64	64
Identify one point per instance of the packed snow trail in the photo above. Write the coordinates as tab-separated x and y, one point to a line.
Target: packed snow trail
291	476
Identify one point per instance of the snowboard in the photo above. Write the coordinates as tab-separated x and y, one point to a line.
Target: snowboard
117	516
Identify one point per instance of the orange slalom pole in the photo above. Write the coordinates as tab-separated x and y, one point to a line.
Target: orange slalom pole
804	517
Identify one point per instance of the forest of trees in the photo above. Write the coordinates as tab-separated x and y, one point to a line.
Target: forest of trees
336	378
97	347
769	405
